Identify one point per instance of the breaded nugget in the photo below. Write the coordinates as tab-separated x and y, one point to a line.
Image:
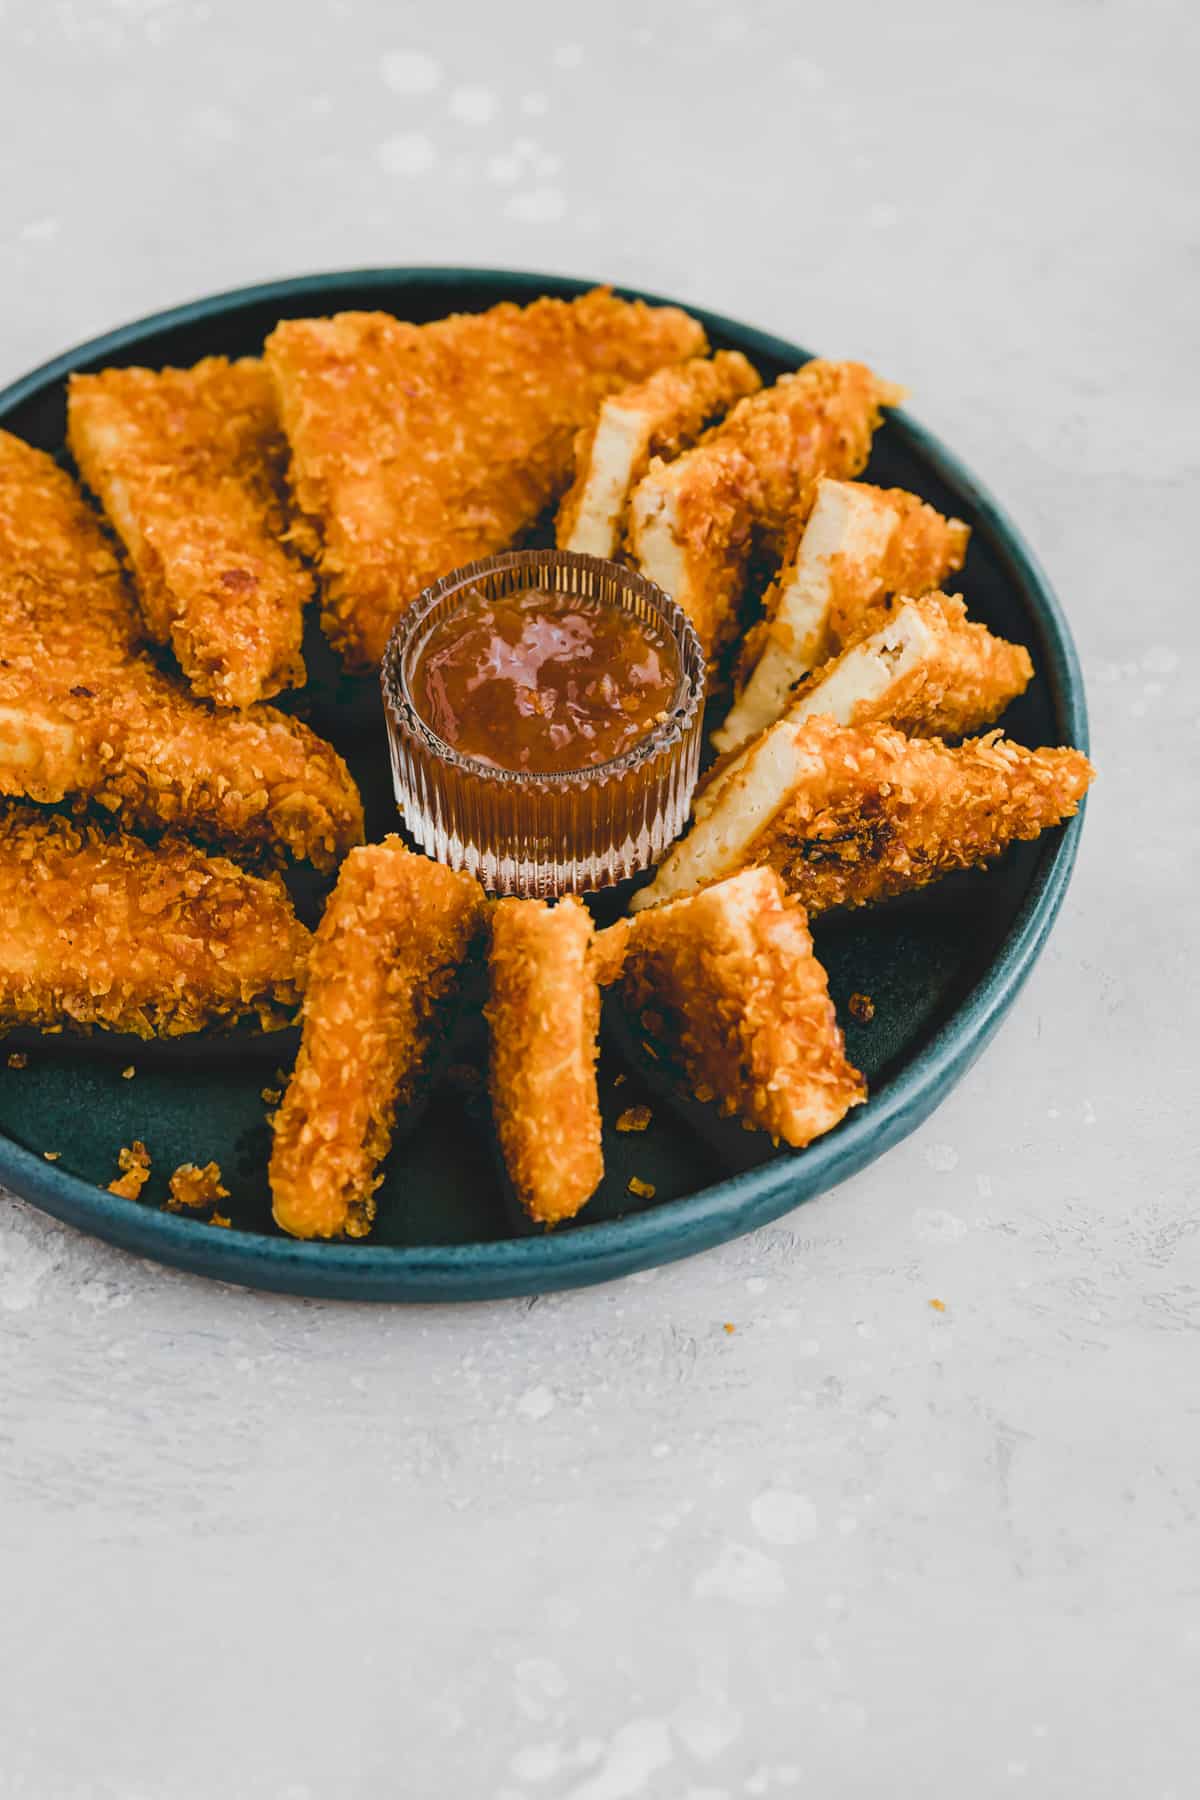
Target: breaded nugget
189	466
850	815
730	976
693	522
416	448
86	715
928	670
657	417
385	960
102	930
544	1014
858	544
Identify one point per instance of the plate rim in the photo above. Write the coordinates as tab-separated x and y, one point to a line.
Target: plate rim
603	1251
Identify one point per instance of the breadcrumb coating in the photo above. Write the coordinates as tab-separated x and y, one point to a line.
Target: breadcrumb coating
189	465
753	479
86	715
195	1189
103	930
416	448
858	545
925	669
851	815
660	416
385	959
544	1015
729	976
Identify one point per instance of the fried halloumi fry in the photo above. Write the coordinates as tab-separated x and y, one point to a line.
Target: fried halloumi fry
928	671
86	715
384	963
732	976
102	930
189	465
657	417
850	815
544	1014
693	522
416	448
858	544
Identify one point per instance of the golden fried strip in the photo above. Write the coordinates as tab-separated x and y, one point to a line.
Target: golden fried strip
416	448
85	714
928	671
544	1014
102	930
657	417
859	544
693	522
850	815
189	465
385	960
730	976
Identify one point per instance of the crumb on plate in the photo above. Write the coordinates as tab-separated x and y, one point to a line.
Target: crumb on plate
134	1164
634	1118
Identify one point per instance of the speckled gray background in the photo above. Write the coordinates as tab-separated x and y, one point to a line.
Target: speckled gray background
599	1547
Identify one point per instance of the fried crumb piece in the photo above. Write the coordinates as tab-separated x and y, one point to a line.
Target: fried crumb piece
938	1305
220	1219
272	1096
862	1008
51	1155
645	1190
193	1189
620	1078
129	1073
17	1059
728	1328
634	1118
134	1164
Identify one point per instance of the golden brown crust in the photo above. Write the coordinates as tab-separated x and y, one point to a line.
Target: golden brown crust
672	408
924	548
754	478
102	930
730	976
85	714
544	1014
385	959
189	465
418	448
884	813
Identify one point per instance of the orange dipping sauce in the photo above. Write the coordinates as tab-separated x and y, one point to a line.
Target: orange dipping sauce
542	681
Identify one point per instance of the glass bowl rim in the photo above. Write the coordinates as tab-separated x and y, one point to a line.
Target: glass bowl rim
663	739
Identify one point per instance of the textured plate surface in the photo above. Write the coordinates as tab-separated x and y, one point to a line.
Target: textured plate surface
942	967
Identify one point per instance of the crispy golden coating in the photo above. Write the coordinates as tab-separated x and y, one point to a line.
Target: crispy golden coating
660	416
544	1014
858	545
86	715
189	465
134	1163
195	1189
729	975
385	960
416	448
102	930
850	815
925	669
694	521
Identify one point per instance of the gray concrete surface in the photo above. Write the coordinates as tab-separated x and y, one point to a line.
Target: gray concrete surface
600	1547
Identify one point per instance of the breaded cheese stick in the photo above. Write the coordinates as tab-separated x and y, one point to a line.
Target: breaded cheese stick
544	1014
859	544
86	715
660	416
929	671
385	959
101	930
416	448
730	977
850	815
189	465
693	522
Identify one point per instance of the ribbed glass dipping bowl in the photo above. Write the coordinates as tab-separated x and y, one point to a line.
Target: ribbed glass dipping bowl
532	834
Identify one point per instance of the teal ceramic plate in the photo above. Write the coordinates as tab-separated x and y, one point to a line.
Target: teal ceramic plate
943	967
